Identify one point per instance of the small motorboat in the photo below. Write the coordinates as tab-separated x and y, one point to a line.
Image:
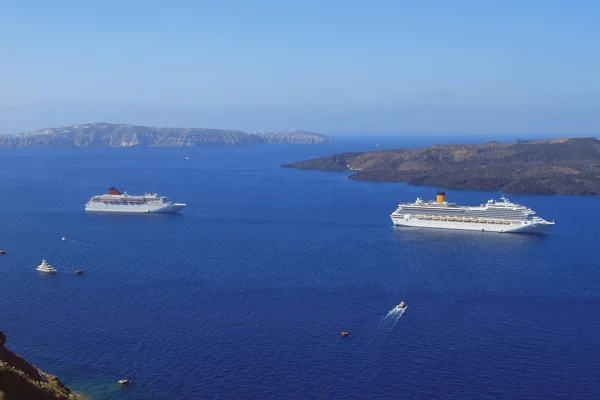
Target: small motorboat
186	158
402	306
123	382
63	238
79	272
45	267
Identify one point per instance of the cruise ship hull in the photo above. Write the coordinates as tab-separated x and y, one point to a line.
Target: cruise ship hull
135	209
518	227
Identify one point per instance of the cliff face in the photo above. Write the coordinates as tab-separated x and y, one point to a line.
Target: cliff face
557	166
20	380
121	135
293	137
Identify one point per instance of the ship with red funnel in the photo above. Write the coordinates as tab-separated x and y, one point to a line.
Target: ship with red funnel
117	202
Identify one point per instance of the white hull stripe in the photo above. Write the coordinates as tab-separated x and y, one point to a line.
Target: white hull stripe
469	226
145	208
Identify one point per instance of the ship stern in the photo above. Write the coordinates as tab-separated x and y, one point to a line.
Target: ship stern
171	208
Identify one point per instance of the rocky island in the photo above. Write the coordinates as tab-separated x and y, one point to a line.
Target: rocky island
20	380
123	135
557	166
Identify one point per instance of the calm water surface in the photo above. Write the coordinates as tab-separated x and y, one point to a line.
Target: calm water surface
244	295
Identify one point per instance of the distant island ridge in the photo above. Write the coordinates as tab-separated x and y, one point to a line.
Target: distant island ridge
554	166
102	134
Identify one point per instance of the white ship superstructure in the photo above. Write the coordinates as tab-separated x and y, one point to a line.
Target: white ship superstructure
495	216
116	201
45	267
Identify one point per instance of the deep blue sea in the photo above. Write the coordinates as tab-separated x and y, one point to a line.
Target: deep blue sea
244	294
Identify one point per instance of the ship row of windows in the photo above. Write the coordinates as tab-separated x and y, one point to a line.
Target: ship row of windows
458	210
471	220
452	209
469	213
119	203
122	203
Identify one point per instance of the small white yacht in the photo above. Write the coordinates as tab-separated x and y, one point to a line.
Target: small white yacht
45	267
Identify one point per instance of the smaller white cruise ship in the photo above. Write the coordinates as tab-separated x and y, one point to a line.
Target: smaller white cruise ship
115	201
45	267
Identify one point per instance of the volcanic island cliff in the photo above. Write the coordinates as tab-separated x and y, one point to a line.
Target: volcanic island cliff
20	380
555	166
103	134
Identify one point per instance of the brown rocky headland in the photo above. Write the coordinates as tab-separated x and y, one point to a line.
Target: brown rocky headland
555	166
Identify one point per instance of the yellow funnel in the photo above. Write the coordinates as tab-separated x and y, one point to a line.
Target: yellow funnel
441	197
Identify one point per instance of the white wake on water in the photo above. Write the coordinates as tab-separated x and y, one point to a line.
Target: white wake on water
393	316
69	242
388	322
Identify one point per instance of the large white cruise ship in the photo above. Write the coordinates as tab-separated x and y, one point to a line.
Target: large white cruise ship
116	201
495	216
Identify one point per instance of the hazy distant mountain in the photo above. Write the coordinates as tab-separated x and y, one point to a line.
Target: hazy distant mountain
556	166
124	135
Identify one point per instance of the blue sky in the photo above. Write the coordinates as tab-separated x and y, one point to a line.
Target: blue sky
403	66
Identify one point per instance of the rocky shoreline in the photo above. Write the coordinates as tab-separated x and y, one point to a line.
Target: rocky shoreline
20	380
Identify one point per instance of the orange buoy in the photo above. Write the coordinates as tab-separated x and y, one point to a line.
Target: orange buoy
345	334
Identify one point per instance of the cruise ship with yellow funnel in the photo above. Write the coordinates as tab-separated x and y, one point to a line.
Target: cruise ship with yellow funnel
494	216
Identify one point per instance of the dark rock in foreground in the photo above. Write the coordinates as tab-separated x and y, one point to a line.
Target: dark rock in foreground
557	166
20	380
121	135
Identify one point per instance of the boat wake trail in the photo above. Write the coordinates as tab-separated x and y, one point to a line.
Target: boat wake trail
71	242
392	316
387	323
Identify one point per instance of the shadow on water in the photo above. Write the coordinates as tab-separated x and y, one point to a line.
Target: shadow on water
43	275
132	216
402	232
